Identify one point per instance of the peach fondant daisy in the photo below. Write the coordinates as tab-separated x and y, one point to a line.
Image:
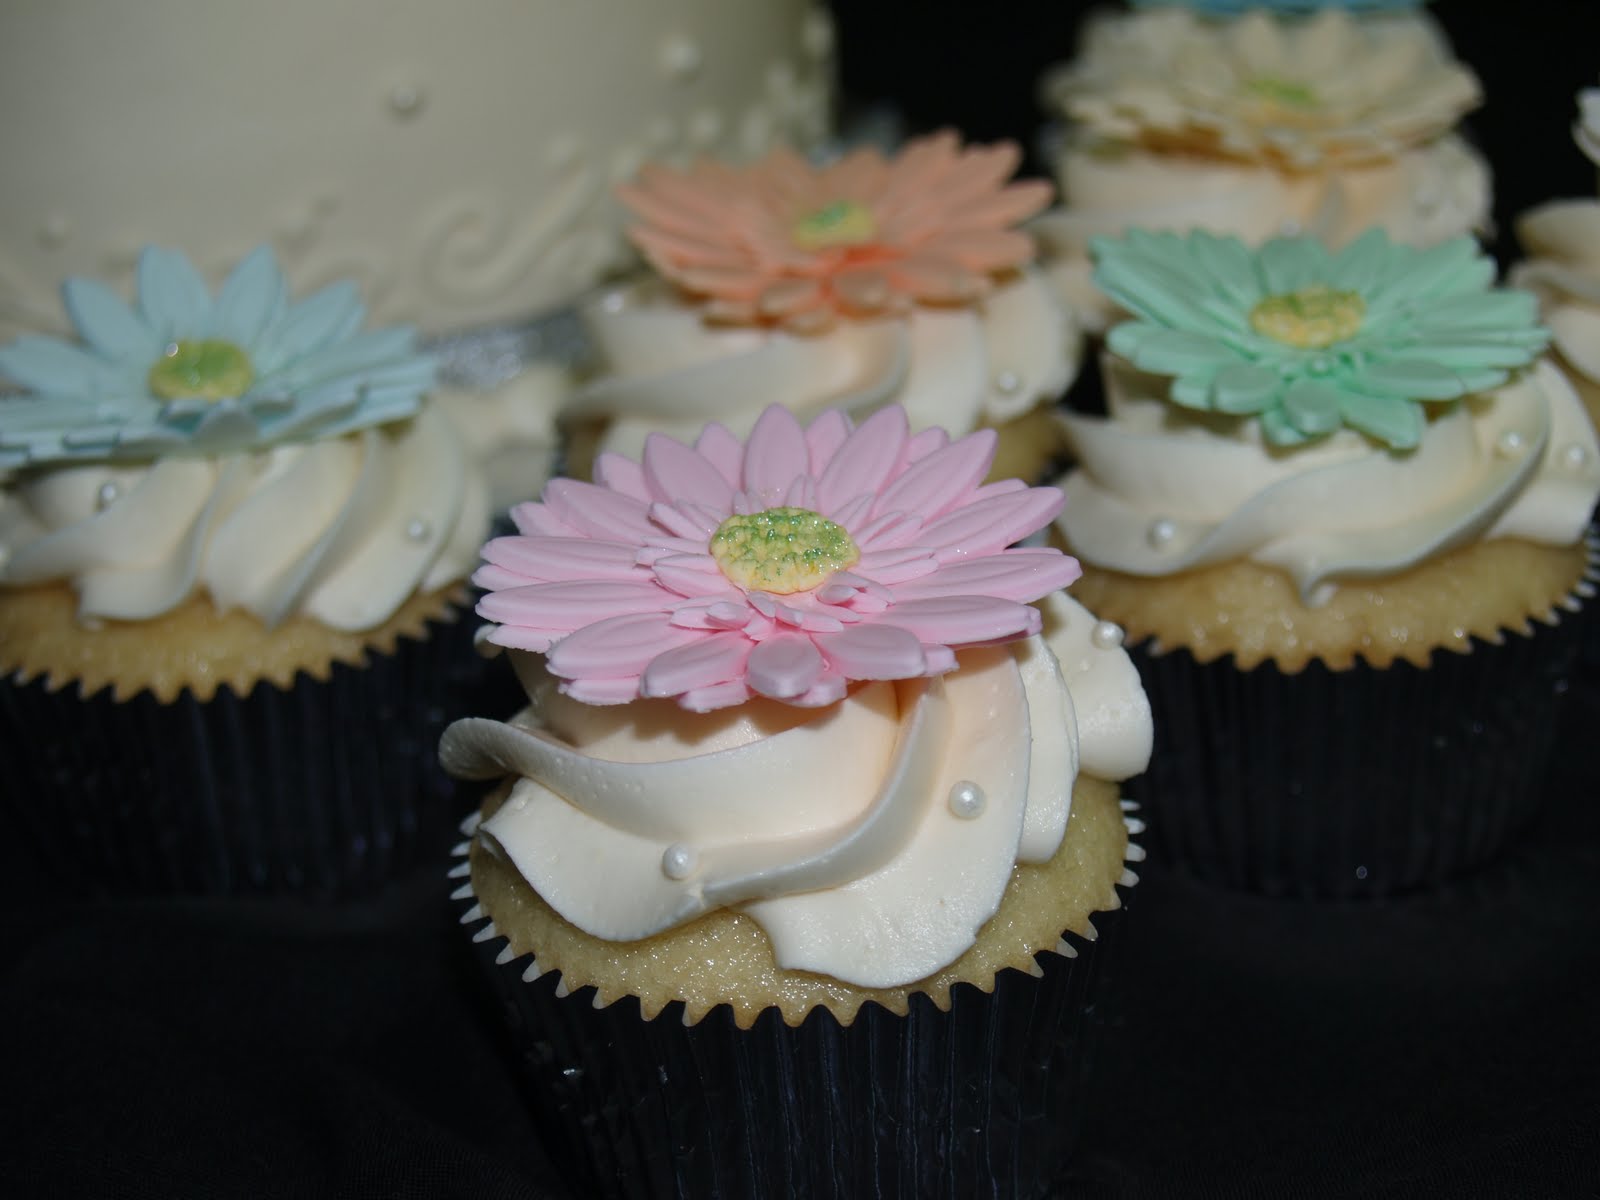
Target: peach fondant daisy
785	242
786	566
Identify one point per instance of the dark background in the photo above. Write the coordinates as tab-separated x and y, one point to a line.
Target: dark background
1437	1046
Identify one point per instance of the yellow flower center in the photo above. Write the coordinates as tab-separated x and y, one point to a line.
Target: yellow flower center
1310	318
842	223
782	550
1285	93
203	369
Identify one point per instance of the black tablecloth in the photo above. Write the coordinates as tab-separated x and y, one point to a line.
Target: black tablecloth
1443	1045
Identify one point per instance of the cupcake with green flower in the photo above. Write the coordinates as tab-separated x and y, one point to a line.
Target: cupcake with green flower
232	530
1340	502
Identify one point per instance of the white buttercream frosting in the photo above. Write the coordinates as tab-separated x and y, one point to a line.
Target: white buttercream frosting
870	840
1162	489
1420	196
343	531
665	369
1562	239
510	429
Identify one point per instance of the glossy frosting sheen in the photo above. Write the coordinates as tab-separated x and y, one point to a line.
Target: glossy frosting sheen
454	159
343	530
667	370
1161	490
870	840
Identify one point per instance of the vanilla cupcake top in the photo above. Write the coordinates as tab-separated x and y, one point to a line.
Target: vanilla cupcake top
853	284
1336	414
267	452
1329	89
802	677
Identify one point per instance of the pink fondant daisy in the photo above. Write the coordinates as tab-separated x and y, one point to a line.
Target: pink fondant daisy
786	242
785	567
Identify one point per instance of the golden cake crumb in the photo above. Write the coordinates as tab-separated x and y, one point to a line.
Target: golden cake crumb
725	958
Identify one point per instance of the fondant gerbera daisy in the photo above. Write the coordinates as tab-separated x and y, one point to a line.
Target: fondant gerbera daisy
785	567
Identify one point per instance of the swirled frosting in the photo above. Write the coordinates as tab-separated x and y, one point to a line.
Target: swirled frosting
870	840
1162	490
342	530
1421	196
1562	239
666	370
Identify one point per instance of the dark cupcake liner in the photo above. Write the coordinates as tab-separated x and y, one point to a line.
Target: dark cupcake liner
1364	782
326	788
984	1100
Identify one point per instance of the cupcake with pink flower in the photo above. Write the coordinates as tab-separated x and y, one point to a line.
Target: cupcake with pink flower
805	821
853	285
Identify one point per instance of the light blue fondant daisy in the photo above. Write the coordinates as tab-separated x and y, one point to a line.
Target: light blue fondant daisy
1309	340
180	372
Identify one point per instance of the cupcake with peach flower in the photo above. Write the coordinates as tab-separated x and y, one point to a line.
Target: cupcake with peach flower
817	772
857	284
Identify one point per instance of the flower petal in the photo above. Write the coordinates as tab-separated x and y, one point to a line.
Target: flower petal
675	472
252	298
617	647
172	297
963	620
873	652
785	666
709	660
866	461
993	524
111	328
1023	575
571	604
776	454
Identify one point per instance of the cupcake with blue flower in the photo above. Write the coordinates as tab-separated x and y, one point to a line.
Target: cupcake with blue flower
232	529
1340	500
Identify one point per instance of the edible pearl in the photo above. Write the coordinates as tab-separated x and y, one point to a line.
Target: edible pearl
53	233
106	495
1008	383
406	100
967	799
1509	444
419	529
1575	457
1160	533
1107	635
614	302
679	861
680	57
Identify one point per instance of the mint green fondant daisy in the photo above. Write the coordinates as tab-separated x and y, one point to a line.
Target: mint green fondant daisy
1309	340
182	372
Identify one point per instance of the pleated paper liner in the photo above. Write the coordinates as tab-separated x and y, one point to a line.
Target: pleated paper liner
324	788
1352	783
984	1099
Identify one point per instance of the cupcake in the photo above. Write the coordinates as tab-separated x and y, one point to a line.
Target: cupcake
1562	240
789	875
1281	121
853	285
233	543
1340	503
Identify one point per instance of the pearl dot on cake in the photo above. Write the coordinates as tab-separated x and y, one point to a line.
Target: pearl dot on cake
680	57
1509	444
679	861
53	233
1008	383
1107	635
419	529
967	799
1161	533
1575	457
406	99
106	495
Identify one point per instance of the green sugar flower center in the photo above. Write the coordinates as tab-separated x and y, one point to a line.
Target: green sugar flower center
1310	318
201	369
1286	93
842	223
781	550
